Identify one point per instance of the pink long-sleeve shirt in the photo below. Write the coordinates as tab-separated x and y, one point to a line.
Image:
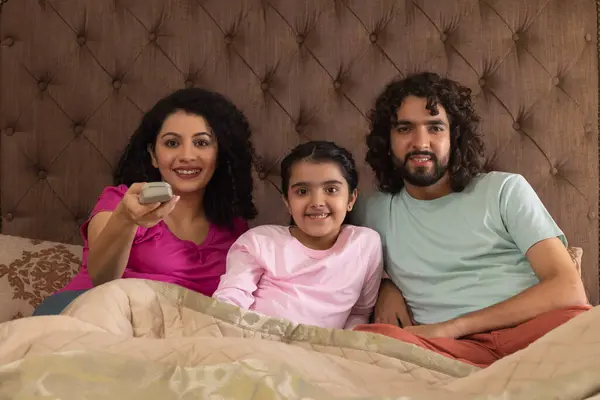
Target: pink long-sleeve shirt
271	272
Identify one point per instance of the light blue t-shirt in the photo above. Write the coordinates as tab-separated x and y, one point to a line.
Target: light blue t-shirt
462	252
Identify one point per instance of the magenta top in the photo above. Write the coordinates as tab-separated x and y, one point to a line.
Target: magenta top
157	254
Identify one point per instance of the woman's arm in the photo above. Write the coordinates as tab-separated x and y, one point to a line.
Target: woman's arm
110	237
110	234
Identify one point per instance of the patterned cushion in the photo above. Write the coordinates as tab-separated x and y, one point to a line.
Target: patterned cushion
30	270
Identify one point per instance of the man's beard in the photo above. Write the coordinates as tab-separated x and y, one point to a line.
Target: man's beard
421	176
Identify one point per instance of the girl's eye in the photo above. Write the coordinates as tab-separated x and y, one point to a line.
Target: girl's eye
301	192
332	190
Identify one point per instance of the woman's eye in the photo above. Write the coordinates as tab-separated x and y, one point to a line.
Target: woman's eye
202	143
170	143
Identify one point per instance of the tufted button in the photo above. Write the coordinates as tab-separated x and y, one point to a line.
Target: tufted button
264	86
515	37
152	37
443	37
78	129
588	128
9	131
554	171
373	37
228	39
9	217
42	174
43	85
588	37
81	40
591	215
300	39
481	82
189	83
8	41
517	126
337	84
556	81
263	175
117	84
299	128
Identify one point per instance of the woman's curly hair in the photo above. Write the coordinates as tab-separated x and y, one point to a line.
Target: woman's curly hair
466	144
229	192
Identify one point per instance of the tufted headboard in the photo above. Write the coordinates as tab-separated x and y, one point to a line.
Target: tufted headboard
76	76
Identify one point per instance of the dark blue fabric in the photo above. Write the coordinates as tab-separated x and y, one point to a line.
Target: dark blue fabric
56	303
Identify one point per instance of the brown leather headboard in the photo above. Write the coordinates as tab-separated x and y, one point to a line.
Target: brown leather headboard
77	75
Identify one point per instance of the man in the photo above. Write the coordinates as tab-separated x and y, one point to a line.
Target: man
477	267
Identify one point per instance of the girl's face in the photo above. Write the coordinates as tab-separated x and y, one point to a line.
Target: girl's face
318	199
185	152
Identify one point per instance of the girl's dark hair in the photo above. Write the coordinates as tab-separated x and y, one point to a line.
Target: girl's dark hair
466	144
319	151
229	192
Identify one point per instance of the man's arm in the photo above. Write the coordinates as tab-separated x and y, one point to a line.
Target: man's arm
560	286
391	307
541	241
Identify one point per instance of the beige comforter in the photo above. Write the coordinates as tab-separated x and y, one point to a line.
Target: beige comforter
135	339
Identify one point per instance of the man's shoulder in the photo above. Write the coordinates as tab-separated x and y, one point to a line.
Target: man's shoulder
495	182
377	199
371	208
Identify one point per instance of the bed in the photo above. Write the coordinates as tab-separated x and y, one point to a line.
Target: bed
75	77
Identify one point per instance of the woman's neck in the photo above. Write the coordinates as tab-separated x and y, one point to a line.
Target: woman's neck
188	208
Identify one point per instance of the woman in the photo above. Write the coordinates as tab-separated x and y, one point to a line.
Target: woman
199	143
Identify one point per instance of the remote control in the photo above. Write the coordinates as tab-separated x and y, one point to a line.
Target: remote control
156	192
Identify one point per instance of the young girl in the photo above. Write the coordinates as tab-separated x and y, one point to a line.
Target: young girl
317	271
199	143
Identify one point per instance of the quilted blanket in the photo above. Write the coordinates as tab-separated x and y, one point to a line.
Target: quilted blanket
135	339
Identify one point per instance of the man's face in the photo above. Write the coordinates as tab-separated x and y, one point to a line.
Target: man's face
420	143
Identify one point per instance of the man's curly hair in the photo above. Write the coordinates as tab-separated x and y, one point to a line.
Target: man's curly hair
229	192
466	144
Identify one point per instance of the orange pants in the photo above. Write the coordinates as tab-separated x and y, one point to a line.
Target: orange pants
483	349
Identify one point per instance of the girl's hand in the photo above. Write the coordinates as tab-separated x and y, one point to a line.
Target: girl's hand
144	215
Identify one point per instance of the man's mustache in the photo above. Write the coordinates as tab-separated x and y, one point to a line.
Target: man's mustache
420	153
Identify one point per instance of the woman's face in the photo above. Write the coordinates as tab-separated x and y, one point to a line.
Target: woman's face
185	152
